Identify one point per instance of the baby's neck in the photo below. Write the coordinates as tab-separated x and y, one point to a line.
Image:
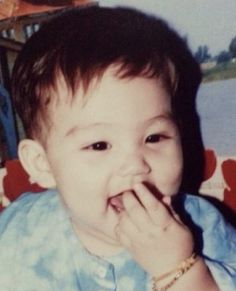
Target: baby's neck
98	246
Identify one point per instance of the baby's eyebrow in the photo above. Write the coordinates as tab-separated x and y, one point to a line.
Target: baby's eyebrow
167	117
77	128
163	117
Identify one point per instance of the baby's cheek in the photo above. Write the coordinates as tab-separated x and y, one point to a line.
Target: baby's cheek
168	180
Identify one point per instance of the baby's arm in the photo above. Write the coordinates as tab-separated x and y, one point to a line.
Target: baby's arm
159	241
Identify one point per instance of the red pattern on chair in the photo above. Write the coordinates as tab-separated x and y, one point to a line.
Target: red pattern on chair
229	173
210	164
17	181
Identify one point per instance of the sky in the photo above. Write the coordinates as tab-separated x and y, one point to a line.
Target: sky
204	22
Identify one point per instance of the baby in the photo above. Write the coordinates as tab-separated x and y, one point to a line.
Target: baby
101	92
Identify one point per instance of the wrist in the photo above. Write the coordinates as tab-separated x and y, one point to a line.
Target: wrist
167	280
197	278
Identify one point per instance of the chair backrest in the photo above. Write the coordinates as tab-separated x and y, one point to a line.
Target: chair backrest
14	181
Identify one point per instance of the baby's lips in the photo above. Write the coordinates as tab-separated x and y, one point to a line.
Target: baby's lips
117	203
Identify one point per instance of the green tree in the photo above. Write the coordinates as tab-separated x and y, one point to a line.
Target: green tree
223	57
202	54
232	47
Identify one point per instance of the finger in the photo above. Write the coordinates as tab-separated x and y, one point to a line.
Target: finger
127	226
156	209
168	201
126	230
135	210
122	238
145	196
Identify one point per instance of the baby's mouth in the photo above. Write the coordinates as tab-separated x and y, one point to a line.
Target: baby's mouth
116	203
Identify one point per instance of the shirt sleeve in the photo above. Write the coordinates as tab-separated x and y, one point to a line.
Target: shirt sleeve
218	242
21	245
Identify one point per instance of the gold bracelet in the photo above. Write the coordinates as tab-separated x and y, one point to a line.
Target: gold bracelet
179	271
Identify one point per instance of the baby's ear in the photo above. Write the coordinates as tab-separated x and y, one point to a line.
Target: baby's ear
34	160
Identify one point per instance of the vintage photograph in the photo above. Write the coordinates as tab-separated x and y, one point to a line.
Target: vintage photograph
117	145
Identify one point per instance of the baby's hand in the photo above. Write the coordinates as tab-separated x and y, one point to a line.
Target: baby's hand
152	233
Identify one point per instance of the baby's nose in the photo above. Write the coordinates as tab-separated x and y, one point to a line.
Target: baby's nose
133	165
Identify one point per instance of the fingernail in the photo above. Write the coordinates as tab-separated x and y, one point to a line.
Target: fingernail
167	200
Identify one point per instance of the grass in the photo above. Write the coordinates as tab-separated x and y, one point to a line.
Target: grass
220	72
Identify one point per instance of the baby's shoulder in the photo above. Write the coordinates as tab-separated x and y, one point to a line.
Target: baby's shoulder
199	207
30	229
216	240
208	218
28	225
28	211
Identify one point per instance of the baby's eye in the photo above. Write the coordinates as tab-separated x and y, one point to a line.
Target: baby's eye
154	138
99	146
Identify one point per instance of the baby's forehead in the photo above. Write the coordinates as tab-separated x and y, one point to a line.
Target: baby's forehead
111	104
83	91
108	97
112	95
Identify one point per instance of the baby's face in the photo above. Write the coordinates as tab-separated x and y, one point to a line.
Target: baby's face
124	134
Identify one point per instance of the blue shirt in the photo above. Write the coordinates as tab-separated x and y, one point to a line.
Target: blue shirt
40	252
